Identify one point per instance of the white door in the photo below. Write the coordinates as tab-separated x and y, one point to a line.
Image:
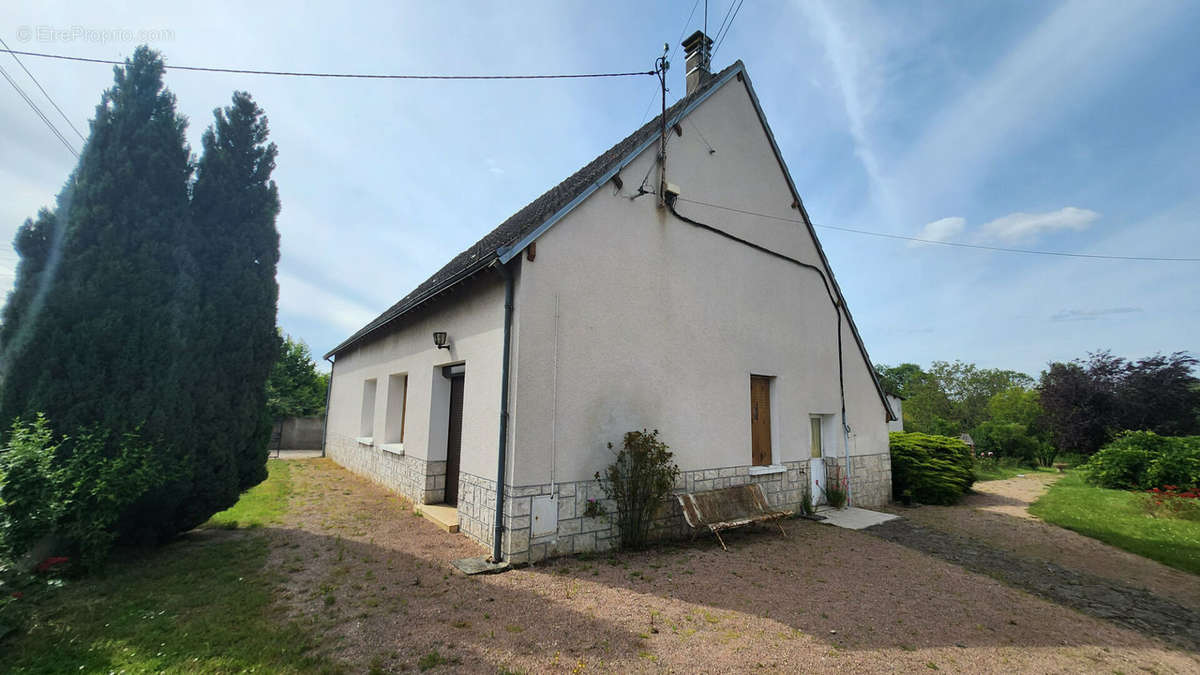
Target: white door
816	465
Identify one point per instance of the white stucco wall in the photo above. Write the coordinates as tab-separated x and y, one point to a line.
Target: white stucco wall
473	320
660	324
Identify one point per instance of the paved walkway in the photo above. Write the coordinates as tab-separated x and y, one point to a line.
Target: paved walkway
853	518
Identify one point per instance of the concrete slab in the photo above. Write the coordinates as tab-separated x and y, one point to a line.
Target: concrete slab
295	454
445	517
854	518
470	566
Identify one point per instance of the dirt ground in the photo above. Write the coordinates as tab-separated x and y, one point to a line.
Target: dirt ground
358	566
996	512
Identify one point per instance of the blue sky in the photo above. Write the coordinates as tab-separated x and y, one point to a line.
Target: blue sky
1066	127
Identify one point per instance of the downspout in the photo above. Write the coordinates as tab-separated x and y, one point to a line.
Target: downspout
502	446
837	307
325	419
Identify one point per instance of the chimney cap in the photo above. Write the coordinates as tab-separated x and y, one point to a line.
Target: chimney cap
693	41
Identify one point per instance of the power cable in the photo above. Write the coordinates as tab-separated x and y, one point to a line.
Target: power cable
721	37
359	76
45	93
729	10
38	111
887	235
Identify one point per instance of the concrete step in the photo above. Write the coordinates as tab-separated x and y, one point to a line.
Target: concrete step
442	515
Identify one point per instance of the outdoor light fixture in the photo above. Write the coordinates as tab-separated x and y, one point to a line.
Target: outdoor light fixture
439	339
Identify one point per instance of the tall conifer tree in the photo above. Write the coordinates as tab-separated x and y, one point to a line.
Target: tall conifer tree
236	246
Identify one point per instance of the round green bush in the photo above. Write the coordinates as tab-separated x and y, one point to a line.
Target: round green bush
1140	460
930	469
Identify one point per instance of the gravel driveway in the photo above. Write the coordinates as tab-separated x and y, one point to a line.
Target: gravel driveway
357	565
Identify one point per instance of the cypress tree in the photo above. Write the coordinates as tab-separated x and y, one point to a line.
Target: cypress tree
236	247
96	330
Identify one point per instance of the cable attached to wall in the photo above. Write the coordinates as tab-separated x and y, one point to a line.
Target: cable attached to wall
671	200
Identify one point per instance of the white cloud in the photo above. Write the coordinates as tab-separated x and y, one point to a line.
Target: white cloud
941	230
1090	314
1027	226
299	297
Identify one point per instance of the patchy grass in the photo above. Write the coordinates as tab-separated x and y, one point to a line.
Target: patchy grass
262	504
1004	469
1119	518
201	605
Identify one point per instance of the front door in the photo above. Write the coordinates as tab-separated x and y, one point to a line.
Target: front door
760	420
816	465
454	438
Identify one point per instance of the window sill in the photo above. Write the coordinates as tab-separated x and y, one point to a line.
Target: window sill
769	469
365	440
394	448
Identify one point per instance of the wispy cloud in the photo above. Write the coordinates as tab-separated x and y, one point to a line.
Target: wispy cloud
302	298
1092	314
1065	62
1027	226
942	230
1014	227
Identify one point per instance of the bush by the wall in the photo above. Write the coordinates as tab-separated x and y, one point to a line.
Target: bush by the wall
1140	460
638	481
930	469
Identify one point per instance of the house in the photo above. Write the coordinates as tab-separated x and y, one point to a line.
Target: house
897	406
710	314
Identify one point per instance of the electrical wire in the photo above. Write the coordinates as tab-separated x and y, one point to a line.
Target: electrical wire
721	37
38	111
44	92
720	40
686	23
728	10
1000	249
358	76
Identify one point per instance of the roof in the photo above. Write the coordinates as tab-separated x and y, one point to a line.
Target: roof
507	235
513	235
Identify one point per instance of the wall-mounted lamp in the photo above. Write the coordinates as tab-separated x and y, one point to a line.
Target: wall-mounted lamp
439	339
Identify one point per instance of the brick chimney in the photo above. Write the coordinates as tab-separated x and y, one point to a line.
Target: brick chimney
697	50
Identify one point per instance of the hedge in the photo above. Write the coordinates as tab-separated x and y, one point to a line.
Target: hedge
1140	460
930	469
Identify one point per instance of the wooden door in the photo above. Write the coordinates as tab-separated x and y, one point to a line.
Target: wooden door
760	420
454	439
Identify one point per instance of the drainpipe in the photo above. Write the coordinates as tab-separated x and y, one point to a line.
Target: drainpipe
325	418
837	308
502	446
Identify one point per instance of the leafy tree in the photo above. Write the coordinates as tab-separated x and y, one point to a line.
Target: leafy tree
296	388
897	379
1088	402
236	247
97	328
949	398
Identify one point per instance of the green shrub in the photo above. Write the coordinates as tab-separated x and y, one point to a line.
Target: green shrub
76	490
1007	440
931	469
1140	460
638	481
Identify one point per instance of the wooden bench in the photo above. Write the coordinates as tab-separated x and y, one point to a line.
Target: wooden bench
726	508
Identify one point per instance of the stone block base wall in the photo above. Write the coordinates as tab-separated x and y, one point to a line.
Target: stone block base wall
870	479
424	483
421	481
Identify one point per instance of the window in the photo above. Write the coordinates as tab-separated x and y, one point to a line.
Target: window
817	444
397	401
367	426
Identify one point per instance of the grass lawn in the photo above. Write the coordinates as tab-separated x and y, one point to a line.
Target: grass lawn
261	505
202	604
1006	471
1118	518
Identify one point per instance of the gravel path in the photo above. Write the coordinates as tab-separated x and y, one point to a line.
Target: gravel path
358	567
996	512
1131	607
